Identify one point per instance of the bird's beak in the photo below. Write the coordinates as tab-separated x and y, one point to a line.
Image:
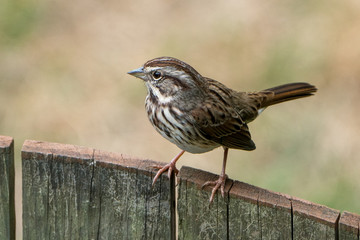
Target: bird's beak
139	73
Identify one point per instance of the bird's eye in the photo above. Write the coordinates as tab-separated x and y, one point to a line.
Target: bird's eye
157	75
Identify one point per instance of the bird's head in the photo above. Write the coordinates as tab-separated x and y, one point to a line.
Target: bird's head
167	78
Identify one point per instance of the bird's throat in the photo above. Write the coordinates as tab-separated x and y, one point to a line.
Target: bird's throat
156	95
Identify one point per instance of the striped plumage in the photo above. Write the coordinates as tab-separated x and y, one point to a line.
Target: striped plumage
199	114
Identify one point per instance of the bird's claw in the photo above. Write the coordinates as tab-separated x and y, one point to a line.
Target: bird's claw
170	168
219	183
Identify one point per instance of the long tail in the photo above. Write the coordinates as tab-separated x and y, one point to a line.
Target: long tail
287	92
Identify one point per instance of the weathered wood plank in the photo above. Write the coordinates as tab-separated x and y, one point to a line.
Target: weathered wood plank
244	216
349	226
256	213
128	203
72	192
313	221
196	219
249	213
7	182
56	190
275	215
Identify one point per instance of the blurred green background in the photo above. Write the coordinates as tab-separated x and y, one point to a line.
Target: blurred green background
63	79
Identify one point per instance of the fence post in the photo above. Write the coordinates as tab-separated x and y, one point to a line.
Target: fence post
196	219
314	221
72	192
7	184
349	225
256	213
249	212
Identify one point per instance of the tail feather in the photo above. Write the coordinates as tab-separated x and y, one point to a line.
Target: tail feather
287	92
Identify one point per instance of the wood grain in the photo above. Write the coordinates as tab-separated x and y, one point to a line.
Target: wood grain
7	183
314	221
250	212
244	215
349	226
275	215
256	213
72	192
196	219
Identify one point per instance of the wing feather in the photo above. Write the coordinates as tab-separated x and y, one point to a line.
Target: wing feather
220	122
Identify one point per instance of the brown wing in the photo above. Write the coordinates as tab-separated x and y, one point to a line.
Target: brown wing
218	121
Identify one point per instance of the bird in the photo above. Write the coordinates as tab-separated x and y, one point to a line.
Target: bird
199	114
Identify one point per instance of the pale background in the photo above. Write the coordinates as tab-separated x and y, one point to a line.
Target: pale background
63	79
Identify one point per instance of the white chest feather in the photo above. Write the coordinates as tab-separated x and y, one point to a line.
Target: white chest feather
160	97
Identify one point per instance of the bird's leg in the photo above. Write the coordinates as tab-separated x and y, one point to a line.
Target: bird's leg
221	180
170	167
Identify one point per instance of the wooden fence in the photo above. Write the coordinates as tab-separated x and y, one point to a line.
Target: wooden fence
72	192
7	185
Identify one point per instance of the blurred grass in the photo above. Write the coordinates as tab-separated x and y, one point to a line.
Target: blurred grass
17	20
63	78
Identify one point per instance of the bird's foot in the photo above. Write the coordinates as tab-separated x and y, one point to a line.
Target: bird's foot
219	183
170	168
